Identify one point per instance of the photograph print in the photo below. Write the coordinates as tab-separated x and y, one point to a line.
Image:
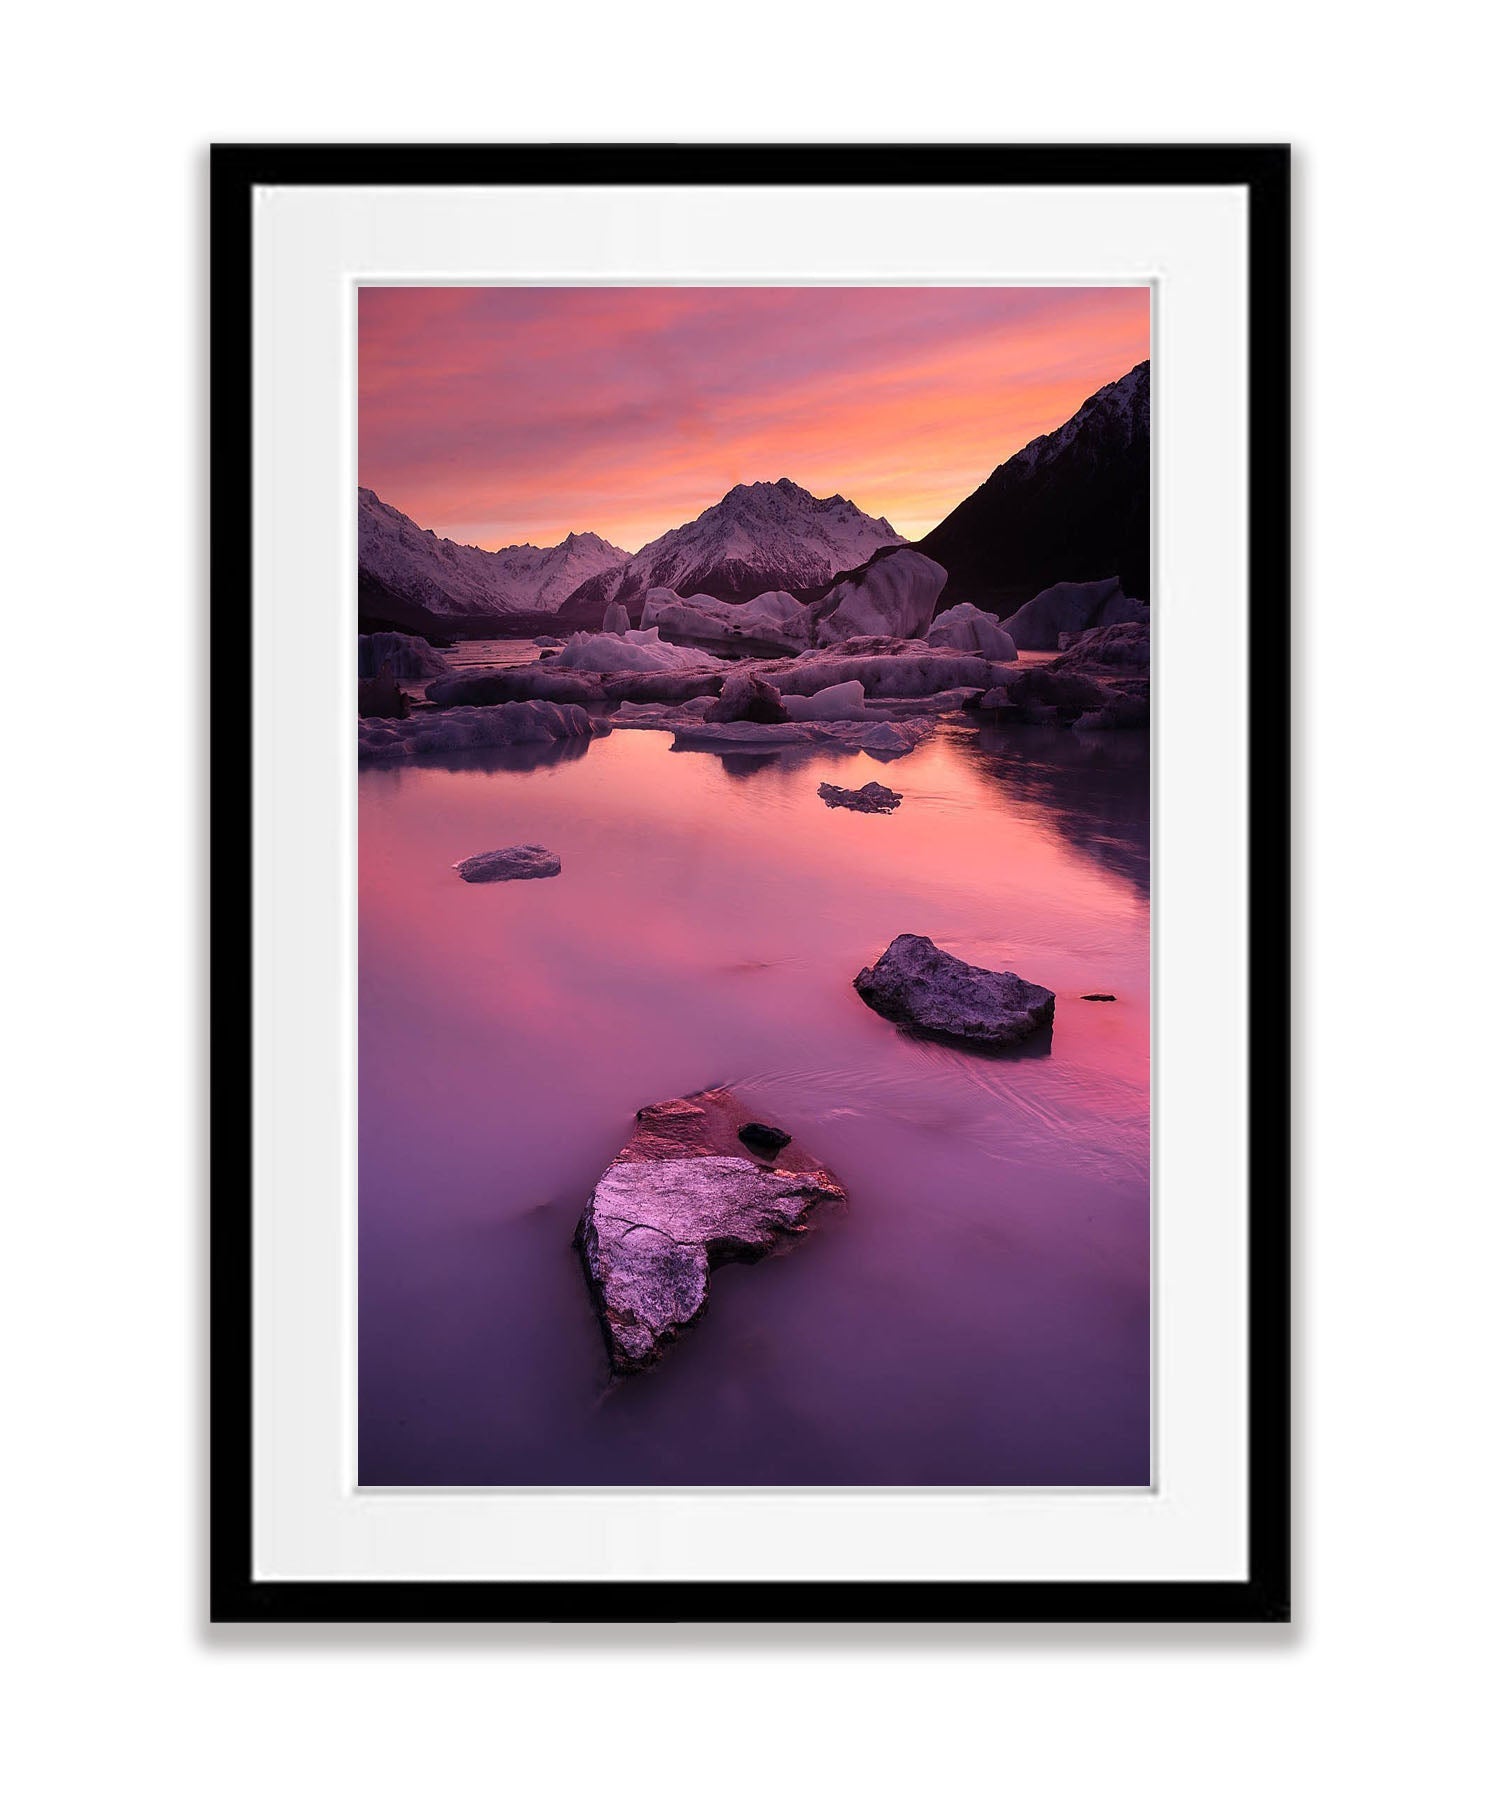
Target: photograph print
754	886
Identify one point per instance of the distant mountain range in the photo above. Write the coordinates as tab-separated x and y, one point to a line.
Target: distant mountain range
403	569
1073	505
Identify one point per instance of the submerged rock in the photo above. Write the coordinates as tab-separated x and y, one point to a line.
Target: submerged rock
517	862
380	697
871	798
679	1199
1098	996
894	595
930	991
765	1140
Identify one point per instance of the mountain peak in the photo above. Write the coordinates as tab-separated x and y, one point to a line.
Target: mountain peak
1122	406
762	537
1072	505
450	579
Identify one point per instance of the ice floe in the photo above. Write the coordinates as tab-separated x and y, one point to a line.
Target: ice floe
967	627
476	728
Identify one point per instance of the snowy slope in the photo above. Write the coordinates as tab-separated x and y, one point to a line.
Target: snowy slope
455	580
761	536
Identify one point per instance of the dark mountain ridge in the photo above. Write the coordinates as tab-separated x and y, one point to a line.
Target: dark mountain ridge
1073	505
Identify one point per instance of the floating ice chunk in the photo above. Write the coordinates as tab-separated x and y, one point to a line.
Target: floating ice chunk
398	654
632	650
1120	648
887	668
1072	606
885	738
966	627
844	700
896	594
477	728
777	620
746	696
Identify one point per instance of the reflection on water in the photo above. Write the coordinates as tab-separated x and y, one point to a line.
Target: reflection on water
1092	787
979	1313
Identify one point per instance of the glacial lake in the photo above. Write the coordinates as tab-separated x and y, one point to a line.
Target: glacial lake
979	1312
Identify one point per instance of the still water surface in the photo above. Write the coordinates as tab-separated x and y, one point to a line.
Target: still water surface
978	1313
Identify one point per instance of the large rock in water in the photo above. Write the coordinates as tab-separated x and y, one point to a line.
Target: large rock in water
1072	606
929	991
517	862
893	597
680	1198
381	698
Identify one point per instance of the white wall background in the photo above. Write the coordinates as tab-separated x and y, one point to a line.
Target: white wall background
118	1685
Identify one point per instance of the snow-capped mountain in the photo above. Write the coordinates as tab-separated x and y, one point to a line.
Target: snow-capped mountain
455	581
1073	505
762	536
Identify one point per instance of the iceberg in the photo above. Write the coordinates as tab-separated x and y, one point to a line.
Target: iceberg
398	654
1072	606
887	668
632	651
844	700
476	728
895	595
966	627
775	620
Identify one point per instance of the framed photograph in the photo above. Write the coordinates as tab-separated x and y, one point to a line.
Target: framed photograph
750	870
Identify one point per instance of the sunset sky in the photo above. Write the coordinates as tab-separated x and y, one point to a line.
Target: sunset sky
515	415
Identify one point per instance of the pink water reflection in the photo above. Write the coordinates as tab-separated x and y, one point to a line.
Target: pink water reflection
978	1313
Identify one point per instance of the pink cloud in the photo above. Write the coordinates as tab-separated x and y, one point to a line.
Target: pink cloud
499	415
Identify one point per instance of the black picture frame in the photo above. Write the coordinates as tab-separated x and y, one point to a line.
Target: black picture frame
1263	172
